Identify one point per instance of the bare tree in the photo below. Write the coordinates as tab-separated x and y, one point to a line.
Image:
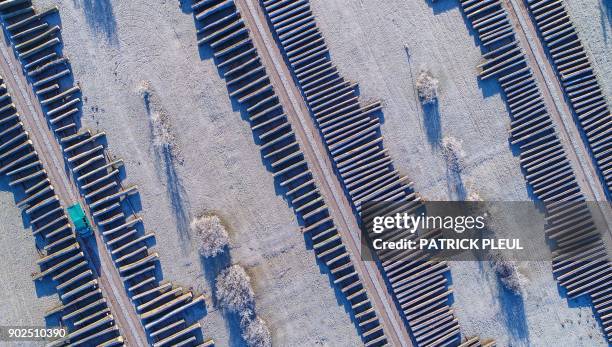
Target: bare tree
236	295
453	153
211	233
473	195
255	332
427	87
234	289
507	272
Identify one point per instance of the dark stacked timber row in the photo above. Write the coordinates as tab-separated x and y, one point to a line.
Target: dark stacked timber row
83	309
222	29
578	79
162	306
351	132
580	261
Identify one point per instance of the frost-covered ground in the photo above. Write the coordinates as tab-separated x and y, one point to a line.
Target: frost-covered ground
368	41
146	86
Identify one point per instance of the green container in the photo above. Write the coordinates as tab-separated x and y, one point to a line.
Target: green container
80	221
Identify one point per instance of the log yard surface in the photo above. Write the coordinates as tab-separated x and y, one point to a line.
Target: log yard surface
208	172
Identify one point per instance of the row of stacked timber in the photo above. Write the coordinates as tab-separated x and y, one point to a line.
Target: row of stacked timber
222	29
578	80
477	342
351	132
163	307
580	260
83	309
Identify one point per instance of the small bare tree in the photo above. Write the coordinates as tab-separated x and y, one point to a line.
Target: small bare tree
236	295
427	87
255	332
507	272
212	235
453	153
473	195
234	289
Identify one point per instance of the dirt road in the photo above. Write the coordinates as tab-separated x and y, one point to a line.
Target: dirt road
51	155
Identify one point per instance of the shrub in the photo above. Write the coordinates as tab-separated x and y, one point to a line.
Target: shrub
234	289
212	235
427	87
507	272
453	153
255	332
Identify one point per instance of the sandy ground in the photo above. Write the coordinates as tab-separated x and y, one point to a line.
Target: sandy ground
167	113
22	302
367	40
593	18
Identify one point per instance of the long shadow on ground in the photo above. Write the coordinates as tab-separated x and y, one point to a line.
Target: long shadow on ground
431	121
166	162
176	194
100	17
513	310
605	10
